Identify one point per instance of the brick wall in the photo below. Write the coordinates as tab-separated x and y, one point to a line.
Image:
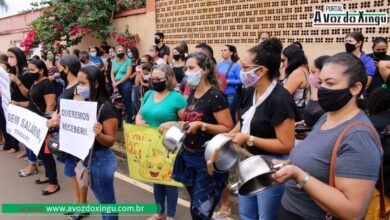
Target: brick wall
238	22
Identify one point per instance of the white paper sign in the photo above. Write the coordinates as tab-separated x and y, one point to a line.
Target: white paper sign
27	127
5	90
76	127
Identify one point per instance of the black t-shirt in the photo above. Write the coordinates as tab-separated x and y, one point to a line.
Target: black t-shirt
66	94
107	112
179	73
278	107
203	109
16	95
377	80
36	98
164	50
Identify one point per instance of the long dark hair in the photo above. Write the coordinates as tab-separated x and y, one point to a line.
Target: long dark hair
40	65
20	59
72	62
135	53
98	94
234	57
296	58
208	65
358	36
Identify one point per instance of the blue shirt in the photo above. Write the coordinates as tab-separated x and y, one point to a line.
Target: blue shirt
233	78
368	63
96	60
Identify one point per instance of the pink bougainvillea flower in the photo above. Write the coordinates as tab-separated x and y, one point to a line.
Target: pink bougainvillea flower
113	34
59	27
120	39
84	14
126	44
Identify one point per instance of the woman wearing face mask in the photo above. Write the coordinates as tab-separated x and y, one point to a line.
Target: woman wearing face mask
145	78
308	194
154	52
121	73
178	64
297	74
95	57
132	53
42	99
208	114
20	86
69	67
313	110
354	45
108	66
379	48
162	108
103	161
54	75
266	123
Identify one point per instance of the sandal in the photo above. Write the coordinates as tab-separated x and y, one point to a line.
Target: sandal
11	151
157	217
222	214
22	155
22	173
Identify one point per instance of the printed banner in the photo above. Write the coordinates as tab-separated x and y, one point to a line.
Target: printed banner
148	160
27	127
76	127
4	90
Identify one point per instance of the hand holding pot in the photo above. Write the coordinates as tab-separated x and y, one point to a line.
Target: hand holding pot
288	172
166	126
193	127
239	138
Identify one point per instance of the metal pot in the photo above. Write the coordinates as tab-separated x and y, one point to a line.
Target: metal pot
221	154
254	175
174	138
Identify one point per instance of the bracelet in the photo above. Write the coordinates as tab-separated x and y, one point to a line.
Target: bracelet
302	183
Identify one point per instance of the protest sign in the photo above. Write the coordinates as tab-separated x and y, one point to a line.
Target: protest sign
5	90
27	127
147	158
76	127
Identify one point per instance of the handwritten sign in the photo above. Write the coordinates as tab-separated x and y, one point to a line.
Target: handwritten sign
76	127
4	90
147	158
27	127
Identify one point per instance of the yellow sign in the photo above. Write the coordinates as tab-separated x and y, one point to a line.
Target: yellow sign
148	160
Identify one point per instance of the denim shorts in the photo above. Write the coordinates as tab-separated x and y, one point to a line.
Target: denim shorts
70	164
191	170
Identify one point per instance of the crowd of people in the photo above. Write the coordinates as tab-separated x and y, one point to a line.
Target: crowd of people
261	100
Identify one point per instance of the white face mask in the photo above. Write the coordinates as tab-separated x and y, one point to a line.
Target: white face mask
152	54
249	78
146	77
12	62
193	78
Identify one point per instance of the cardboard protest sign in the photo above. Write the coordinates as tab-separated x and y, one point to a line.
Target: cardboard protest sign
5	90
27	127
147	158
76	127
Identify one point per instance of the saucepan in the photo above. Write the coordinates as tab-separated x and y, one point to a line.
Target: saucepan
221	154
254	175
174	137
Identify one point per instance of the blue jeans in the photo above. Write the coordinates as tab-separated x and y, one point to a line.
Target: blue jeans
264	205
233	103
125	90
171	193
135	94
32	158
103	166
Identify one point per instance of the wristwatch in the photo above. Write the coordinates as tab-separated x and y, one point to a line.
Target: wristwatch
203	128
250	141
19	84
304	181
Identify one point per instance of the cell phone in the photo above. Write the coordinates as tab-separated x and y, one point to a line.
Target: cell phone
376	59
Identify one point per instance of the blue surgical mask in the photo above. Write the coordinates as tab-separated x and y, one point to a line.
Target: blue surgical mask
193	78
84	91
249	78
93	54
130	55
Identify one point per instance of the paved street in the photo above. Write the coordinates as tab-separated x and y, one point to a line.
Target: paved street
14	189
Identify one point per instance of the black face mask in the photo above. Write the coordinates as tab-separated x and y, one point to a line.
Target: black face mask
34	76
157	41
176	57
380	55
63	75
350	47
159	86
333	99
120	55
82	60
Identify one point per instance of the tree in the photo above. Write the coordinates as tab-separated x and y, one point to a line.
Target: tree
3	5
